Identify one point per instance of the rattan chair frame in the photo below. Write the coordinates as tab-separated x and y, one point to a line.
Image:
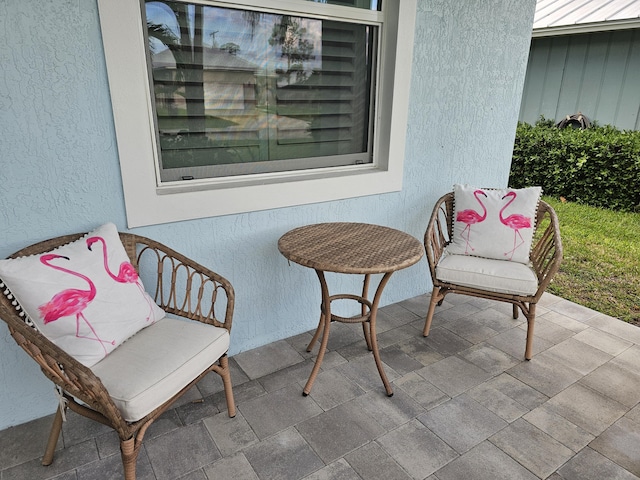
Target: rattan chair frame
182	287
545	259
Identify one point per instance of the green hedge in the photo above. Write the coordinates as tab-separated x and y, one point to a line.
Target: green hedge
598	166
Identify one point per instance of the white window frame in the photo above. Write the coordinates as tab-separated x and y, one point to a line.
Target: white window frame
149	203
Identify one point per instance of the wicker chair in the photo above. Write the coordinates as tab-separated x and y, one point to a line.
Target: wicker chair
183	289
545	259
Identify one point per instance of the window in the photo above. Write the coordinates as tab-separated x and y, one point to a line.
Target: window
246	91
226	107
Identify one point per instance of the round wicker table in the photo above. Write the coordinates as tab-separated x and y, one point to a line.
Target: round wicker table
351	248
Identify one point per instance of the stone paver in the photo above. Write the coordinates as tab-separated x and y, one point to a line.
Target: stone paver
417	449
620	443
462	422
190	447
483	462
371	462
587	408
262	361
337	432
590	465
273	412
286	457
532	447
454	375
559	428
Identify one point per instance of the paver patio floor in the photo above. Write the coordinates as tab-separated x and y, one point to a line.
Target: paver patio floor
465	406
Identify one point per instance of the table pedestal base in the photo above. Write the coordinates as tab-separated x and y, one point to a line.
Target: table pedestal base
367	318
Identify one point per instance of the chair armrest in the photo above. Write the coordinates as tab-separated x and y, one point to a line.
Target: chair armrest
546	253
180	285
439	231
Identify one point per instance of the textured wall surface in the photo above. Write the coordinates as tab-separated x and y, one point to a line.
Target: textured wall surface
60	172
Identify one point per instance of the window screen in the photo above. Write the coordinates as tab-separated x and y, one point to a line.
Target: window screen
239	91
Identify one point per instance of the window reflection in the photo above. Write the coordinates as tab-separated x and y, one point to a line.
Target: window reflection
236	86
366	4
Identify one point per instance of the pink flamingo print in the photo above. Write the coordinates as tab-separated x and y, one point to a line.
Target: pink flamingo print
516	222
72	301
471	217
126	273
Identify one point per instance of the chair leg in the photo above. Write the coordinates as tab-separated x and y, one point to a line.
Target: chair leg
436	298
129	456
531	317
53	438
228	390
516	311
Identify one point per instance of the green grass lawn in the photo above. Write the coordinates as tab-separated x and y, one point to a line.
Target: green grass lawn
601	266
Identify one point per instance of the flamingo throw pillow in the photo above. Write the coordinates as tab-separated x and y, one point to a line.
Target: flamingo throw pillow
494	223
85	296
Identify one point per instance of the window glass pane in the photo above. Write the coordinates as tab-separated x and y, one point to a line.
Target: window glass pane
366	4
240	92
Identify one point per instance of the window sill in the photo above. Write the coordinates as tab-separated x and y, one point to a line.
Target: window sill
150	205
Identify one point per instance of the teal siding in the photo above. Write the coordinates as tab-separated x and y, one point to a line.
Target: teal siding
597	74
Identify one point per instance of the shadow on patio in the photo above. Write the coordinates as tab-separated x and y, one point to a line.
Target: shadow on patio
466	406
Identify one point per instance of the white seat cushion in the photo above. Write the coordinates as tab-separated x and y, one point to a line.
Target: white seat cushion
487	274
158	362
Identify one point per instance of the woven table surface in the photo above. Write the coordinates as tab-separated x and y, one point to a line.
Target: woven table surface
344	247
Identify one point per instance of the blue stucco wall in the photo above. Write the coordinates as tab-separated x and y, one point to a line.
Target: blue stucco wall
59	167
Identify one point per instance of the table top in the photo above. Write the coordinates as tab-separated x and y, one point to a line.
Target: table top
344	247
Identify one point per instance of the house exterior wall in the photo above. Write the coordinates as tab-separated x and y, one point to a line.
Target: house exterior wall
60	173
593	73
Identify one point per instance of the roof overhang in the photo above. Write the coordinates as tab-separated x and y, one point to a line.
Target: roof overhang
577	28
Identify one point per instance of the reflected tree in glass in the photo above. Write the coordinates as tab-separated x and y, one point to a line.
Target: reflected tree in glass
187	50
290	37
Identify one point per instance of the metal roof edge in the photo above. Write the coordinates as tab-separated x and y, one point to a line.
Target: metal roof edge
625	24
